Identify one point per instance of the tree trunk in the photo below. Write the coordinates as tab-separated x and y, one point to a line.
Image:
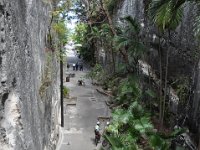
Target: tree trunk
166	78
109	18
113	58
61	86
160	88
149	82
124	54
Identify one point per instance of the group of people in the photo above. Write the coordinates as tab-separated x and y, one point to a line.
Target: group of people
97	129
77	66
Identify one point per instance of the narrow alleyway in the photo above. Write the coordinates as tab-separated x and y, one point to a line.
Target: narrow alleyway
81	112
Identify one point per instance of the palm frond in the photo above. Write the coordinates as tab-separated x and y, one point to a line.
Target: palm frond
133	24
137	50
143	124
114	128
136	109
121	116
166	14
105	27
150	93
114	141
121	41
158	143
176	18
121	68
119	30
129	141
154	7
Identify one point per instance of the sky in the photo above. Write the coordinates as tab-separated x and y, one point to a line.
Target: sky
72	23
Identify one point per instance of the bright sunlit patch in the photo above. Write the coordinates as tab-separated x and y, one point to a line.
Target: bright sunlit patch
70	53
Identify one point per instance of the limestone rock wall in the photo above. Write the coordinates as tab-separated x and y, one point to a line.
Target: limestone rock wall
183	52
29	81
184	46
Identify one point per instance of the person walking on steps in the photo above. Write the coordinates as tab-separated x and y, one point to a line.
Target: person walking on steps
74	66
97	133
77	66
68	66
81	67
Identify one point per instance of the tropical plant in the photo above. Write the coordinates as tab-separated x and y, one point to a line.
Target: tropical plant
61	8
65	91
62	32
131	127
80	33
84	46
166	14
128	91
112	5
96	73
128	39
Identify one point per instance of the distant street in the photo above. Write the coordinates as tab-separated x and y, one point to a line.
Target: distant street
81	111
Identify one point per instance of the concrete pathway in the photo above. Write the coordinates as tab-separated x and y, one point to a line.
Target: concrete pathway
81	113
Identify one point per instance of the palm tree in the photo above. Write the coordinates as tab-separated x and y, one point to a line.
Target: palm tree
166	14
197	33
128	39
176	10
107	39
103	34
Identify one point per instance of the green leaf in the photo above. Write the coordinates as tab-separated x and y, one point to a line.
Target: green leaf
159	144
179	148
121	41
150	93
155	141
133	24
114	128
143	124
114	141
166	14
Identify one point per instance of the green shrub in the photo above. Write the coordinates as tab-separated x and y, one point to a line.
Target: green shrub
65	92
97	73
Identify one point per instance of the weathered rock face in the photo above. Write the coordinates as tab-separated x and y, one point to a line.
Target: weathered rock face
28	77
183	52
183	43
